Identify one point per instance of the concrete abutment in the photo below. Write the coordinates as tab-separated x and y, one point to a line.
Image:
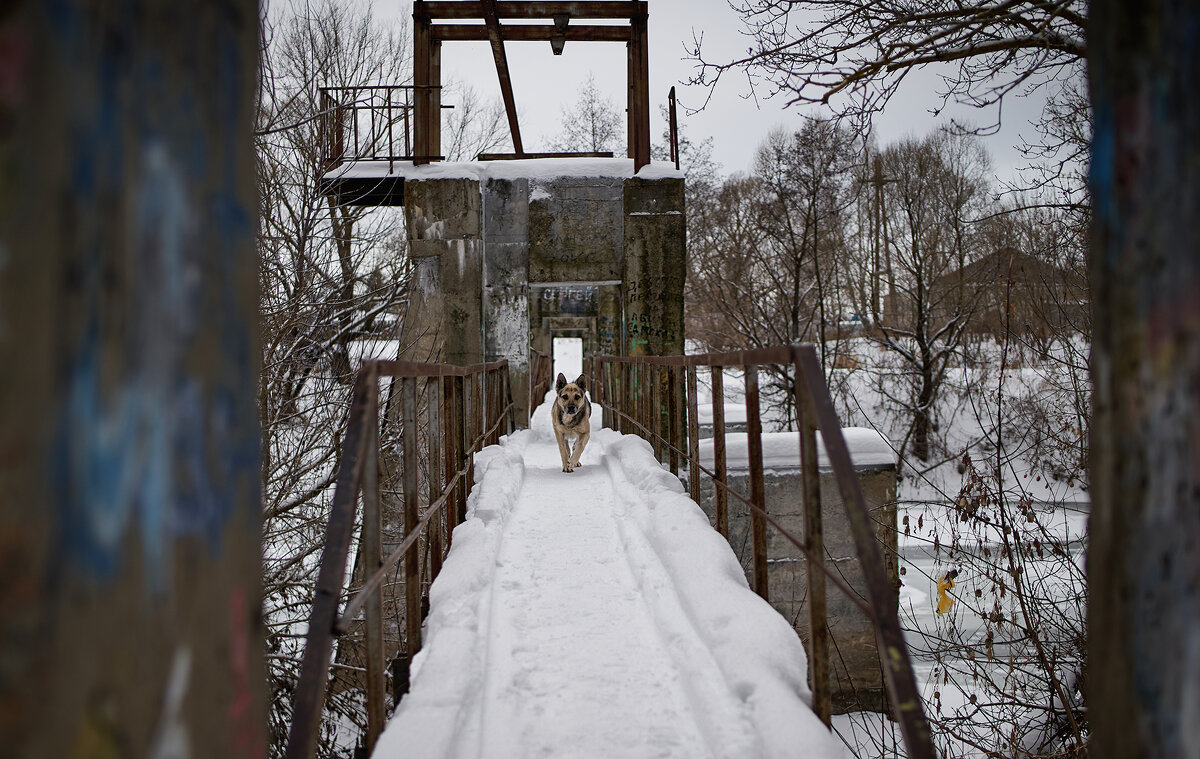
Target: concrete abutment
504	264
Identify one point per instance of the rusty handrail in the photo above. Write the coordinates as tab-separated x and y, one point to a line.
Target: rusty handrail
378	117
457	432
624	387
541	366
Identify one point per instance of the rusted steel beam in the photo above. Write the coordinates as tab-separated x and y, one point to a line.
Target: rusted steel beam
496	38
423	109
314	666
893	652
593	9
529	33
412	559
639	103
814	538
720	493
758	523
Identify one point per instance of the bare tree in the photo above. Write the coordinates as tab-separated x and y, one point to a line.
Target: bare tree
472	126
766	253
939	190
591	125
853	54
332	280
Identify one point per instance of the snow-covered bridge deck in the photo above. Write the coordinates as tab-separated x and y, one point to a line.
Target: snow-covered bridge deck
597	614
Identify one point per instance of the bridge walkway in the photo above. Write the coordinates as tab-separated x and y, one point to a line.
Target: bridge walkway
597	614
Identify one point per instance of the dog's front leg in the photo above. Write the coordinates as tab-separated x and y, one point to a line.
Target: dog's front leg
580	442
564	452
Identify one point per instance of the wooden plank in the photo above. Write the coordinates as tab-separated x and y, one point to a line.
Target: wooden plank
529	33
372	559
720	494
758	524
496	39
412	559
693	436
592	9
814	538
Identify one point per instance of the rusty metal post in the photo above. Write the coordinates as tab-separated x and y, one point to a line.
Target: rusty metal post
478	412
372	559
758	522
450	451
623	397
461	455
674	428
434	441
509	423
674	129
693	437
656	409
412	559
814	538
720	480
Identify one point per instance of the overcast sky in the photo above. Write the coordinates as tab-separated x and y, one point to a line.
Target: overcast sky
544	84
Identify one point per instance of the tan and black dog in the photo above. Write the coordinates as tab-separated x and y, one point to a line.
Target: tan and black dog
572	419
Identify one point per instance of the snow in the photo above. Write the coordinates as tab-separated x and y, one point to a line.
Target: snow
598	614
542	169
781	450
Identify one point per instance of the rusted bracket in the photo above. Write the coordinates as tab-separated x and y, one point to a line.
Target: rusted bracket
497	41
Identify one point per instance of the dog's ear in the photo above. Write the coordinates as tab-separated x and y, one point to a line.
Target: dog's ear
582	382
560	383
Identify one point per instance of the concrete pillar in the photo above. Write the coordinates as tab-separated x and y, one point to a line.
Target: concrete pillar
654	266
506	282
857	680
130	559
444	321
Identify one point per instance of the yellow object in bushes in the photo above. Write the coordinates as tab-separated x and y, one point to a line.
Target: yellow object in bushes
945	601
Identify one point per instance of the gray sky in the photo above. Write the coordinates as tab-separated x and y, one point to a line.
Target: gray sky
543	84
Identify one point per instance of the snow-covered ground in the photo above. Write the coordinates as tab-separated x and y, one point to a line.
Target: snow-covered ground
597	614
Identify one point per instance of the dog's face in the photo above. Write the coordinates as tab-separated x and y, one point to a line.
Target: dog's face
570	394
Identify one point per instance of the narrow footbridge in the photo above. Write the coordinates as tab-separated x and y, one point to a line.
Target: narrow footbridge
596	613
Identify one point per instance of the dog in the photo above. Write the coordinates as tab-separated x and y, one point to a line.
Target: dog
572	419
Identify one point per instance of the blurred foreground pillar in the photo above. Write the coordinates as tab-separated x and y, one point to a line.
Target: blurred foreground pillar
129	443
1144	557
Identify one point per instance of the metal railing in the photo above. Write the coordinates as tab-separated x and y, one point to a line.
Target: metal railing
464	409
366	123
657	396
541	367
